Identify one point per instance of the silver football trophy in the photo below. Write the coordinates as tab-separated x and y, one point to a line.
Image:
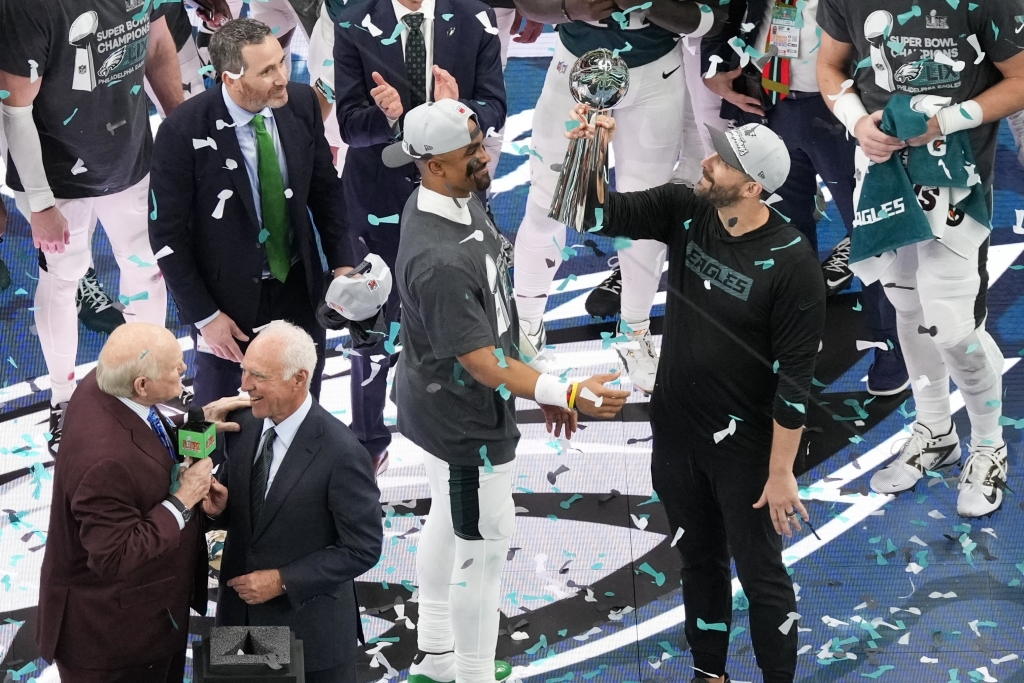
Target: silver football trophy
80	36
599	80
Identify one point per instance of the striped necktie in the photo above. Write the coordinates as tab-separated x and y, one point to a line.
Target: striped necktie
260	474
161	432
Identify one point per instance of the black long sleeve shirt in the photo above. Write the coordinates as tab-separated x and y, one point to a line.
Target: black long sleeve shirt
743	320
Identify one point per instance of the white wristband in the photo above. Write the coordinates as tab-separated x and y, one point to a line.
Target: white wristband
707	20
849	110
958	117
27	154
550	391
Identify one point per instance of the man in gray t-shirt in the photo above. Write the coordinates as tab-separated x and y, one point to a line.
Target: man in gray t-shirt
963	61
455	388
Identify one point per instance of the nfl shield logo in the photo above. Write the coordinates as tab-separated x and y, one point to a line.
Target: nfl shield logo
562	66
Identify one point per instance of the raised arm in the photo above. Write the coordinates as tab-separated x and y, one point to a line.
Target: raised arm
361	120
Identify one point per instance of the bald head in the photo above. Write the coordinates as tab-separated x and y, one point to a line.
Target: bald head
142	362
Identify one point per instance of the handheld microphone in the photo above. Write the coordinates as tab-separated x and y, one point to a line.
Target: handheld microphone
197	438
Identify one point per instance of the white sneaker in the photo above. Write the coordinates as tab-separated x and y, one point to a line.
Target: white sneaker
982	481
922	452
639	358
532	340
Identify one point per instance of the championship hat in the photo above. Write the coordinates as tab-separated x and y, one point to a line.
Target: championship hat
362	293
756	150
430	129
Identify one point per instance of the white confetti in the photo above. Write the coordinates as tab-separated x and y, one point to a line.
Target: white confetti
592	397
1019	225
785	627
199	143
973	40
223	196
990	531
1007	658
731	429
288	193
942	58
78	168
585	636
935	514
915	539
477	235
166	251
986	676
904	639
640	522
843	87
367	23
863	345
230	164
224	124
486	21
929	660
936	595
804	650
675	539
829	621
374	369
714	60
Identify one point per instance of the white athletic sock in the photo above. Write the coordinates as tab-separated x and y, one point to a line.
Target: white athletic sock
634	325
978	375
538	255
924	361
439	667
641	264
57	325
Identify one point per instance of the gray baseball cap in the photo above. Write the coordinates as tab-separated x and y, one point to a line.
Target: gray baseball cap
430	129
756	150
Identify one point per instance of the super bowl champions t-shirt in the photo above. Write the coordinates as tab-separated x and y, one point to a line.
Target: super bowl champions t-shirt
456	298
92	112
639	42
929	47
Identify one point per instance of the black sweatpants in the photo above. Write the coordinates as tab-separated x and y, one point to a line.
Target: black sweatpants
711	499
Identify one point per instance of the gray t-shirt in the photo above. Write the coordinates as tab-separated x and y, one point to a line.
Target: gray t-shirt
456	298
904	38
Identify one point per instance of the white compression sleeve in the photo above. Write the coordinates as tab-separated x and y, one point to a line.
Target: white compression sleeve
849	109
550	391
958	117
27	154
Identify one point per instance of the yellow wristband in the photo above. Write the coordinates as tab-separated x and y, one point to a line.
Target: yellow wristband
572	396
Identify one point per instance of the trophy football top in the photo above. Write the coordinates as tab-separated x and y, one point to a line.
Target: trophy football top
599	79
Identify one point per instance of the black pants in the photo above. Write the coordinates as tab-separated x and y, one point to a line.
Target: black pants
818	145
711	499
167	670
346	673
216	378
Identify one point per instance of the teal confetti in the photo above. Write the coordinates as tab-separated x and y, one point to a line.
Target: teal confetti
505	393
856	438
622	243
207	70
566	503
20	291
138	261
394	34
264	235
389	345
125	300
915	11
704	626
136	89
627	48
152	214
570	278
173	622
796	240
765	265
735	632
896	46
863	64
498	353
857	306
607	340
567	251
799	407
775	367
457	370
599	221
447	17
955	4
571	125
881	670
686	223
659	578
995	32
4	94
11	361
972	348
488	467
68	119
374	220
650	501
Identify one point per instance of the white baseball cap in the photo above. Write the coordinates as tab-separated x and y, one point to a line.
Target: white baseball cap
360	297
430	129
756	150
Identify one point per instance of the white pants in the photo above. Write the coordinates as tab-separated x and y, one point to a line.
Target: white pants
124	217
701	110
320	62
934	292
644	151
492	144
459	562
1016	122
191	80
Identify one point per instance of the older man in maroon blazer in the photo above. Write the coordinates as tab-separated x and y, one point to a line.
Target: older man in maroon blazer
125	558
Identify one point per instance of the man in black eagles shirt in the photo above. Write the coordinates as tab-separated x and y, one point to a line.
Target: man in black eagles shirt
743	319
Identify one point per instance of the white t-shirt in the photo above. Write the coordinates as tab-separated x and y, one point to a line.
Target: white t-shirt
802	69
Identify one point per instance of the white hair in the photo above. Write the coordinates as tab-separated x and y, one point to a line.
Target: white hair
299	349
118	378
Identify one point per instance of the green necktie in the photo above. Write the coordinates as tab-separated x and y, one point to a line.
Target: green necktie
275	210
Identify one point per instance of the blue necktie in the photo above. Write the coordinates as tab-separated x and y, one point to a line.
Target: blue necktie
158	427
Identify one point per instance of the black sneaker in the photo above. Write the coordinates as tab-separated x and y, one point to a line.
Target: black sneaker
95	309
603	302
888	375
56	426
836	268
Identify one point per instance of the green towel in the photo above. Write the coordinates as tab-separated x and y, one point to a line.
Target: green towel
889	215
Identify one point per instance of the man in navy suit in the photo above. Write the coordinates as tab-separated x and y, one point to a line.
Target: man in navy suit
302	513
390	56
236	174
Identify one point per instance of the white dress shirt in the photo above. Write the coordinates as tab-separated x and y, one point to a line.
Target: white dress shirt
245	132
143	413
285	435
427	28
444	206
802	76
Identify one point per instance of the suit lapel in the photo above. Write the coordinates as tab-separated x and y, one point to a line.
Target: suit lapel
447	35
142	434
241	456
392	56
227	145
301	453
292	147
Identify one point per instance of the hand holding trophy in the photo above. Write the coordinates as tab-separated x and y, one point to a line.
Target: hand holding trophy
598	81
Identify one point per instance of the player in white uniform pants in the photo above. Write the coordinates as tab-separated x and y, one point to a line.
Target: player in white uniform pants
645	152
